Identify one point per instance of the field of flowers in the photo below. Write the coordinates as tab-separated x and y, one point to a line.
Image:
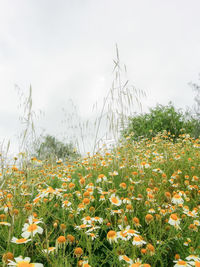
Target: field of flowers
137	205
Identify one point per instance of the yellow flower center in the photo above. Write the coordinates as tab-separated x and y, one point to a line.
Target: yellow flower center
123	233
182	263
126	258
32	227
137	238
174	217
21	240
111	234
83	226
114	200
177	196
24	264
61	239
135	264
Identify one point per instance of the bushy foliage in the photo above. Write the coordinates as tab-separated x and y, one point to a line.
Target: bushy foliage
159	119
52	148
196	108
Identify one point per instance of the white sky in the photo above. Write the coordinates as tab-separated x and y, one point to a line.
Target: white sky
65	50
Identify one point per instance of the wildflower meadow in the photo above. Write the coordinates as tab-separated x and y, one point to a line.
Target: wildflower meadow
137	204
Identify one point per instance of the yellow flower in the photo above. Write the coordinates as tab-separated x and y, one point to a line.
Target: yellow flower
112	236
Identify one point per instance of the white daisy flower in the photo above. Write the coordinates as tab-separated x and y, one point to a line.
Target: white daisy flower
82	226
112	236
66	204
19	261
177	199
174	220
125	258
181	263
138	241
31	228
101	178
196	222
20	240
195	263
5	223
97	219
115	200
87	220
92	235
115	212
49	250
126	200
193	257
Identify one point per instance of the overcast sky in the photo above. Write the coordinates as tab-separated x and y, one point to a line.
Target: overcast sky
65	50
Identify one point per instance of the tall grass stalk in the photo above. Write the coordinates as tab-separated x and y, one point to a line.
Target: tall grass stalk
119	103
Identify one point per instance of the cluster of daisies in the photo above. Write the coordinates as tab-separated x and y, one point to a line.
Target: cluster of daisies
30	229
132	202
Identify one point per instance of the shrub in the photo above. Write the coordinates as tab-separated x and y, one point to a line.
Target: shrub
52	148
159	119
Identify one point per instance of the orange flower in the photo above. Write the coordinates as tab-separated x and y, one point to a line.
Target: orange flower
70	238
136	222
115	200
20	241
129	208
138	241
177	199
9	195
15	212
78	251
177	257
2	217
123	185
63	227
148	218
71	185
112	236
86	194
86	201
82	181
7	257
168	195
143	250
61	239
174	220
151	249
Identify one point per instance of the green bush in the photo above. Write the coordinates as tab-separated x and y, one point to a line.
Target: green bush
159	119
52	148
